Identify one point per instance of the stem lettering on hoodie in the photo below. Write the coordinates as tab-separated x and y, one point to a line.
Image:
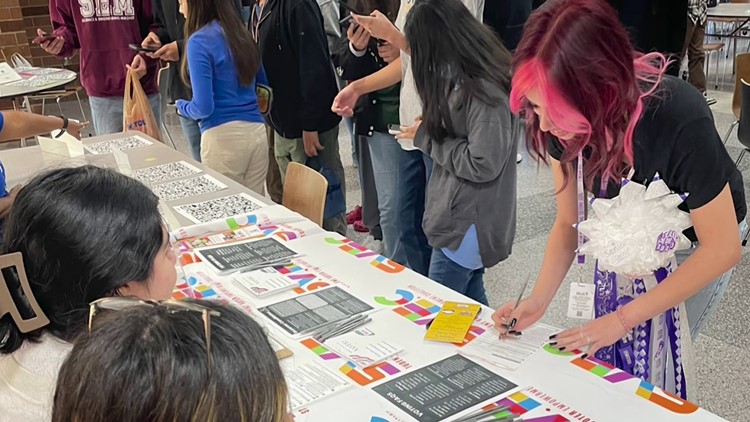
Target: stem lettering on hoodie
106	8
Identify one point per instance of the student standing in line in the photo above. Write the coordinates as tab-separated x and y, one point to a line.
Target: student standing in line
696	32
294	51
221	64
463	80
379	152
102	32
84	233
414	166
167	34
179	376
602	113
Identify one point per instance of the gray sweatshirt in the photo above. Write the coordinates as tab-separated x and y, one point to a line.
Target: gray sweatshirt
474	178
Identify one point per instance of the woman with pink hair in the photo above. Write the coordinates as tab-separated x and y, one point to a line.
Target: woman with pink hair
602	112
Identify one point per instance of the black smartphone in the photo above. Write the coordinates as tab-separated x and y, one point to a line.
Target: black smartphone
346	6
142	49
346	21
41	39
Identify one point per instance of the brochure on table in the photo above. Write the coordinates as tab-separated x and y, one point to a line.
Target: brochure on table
555	386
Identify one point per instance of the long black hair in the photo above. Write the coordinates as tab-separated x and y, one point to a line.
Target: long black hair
386	7
150	363
451	49
84	233
244	50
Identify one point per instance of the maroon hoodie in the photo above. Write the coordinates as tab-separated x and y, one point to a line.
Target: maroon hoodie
102	30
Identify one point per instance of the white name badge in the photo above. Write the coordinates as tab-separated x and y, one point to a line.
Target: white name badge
581	301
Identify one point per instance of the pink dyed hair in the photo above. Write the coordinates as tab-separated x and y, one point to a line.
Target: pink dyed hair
579	57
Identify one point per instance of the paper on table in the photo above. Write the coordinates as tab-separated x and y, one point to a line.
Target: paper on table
363	347
511	352
264	282
311	381
66	145
123	163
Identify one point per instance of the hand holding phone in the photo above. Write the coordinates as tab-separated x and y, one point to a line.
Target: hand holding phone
394	129
40	39
51	43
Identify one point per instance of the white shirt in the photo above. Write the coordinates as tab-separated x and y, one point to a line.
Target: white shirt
410	106
28	378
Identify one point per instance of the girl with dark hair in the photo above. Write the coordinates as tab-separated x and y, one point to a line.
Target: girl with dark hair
84	233
185	361
221	64
463	81
602	113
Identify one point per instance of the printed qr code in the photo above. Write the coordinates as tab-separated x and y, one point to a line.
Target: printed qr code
187	187
165	172
106	147
217	209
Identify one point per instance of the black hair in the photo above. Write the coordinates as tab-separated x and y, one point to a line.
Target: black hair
244	50
387	7
451	49
150	363
84	232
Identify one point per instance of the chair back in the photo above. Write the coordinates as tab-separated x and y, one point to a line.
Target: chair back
743	131
305	192
742	72
163	80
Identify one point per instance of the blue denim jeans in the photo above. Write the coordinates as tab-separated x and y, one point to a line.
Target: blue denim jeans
469	283
106	113
412	189
703	304
192	133
385	154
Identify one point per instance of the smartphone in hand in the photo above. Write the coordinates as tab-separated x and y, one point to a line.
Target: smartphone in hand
142	49
394	129
41	39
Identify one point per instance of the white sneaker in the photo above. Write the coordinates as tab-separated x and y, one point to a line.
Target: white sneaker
519	158
375	245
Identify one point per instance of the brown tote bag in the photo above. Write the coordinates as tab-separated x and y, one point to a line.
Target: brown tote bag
137	114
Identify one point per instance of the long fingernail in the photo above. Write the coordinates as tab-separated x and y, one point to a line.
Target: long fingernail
553	336
515	333
512	323
584	356
562	349
553	343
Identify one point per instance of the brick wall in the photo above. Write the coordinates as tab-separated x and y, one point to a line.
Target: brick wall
12	31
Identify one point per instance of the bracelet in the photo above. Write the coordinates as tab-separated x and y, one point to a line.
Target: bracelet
64	126
624	321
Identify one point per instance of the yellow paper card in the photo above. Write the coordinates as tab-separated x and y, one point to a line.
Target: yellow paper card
452	322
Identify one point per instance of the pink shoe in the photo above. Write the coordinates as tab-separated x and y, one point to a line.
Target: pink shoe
360	227
354	215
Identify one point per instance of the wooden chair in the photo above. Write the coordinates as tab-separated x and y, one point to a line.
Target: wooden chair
743	72
305	192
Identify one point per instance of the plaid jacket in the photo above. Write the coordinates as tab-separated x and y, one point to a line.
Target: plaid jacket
697	11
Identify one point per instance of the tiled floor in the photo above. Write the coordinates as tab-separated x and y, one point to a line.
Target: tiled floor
722	353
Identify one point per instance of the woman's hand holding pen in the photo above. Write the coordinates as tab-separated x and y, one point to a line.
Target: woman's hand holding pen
528	311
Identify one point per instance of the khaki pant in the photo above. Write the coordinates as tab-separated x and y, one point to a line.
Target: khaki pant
696	57
239	151
288	150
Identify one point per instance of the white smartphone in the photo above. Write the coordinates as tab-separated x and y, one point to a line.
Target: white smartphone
394	129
